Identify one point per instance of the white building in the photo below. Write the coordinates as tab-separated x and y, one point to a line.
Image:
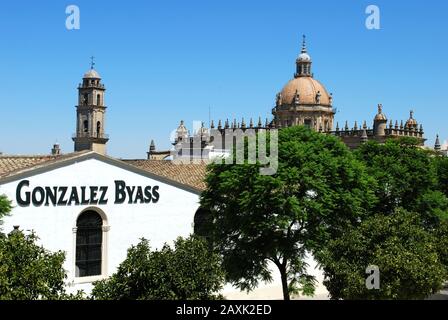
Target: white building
94	207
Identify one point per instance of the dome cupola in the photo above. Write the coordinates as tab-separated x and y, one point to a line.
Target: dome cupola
303	62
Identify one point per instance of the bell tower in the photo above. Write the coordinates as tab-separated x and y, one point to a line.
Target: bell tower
91	114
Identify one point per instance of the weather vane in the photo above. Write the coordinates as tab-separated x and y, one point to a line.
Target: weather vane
92	62
303	43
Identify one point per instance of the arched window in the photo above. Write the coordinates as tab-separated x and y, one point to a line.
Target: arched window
98	100
202	218
98	129
86	125
89	240
86	99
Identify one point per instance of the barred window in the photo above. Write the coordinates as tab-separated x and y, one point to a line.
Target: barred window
89	238
202	220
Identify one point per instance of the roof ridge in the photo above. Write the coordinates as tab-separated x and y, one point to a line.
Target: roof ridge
28	156
43	155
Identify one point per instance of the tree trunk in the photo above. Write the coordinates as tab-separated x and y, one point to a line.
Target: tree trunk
284	282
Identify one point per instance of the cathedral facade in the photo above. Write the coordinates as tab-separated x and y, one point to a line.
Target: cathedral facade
302	101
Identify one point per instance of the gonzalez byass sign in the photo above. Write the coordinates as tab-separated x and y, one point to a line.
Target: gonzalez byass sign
91	195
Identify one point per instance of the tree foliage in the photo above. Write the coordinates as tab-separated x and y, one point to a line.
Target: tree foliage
5	209
441	167
407	177
318	190
188	272
30	272
407	256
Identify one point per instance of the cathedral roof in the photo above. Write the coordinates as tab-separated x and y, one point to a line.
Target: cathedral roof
308	90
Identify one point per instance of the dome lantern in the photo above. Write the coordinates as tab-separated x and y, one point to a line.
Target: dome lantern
303	62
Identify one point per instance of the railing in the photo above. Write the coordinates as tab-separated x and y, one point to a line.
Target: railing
89	85
88	135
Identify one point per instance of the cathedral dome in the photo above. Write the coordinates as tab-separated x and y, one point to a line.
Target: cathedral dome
91	74
310	91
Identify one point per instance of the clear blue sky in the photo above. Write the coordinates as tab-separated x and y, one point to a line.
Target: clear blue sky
163	61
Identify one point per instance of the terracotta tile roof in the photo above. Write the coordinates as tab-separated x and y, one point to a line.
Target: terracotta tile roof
189	174
12	164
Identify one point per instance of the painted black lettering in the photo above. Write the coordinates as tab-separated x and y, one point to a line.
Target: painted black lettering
62	201
148	195
74	198
93	195
103	192
120	194
51	194
23	202
38	200
139	195
155	194
130	191
84	199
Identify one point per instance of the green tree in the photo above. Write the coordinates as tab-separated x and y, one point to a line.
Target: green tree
5	209
28	271
441	165
407	177
318	190
188	272
441	234
407	256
